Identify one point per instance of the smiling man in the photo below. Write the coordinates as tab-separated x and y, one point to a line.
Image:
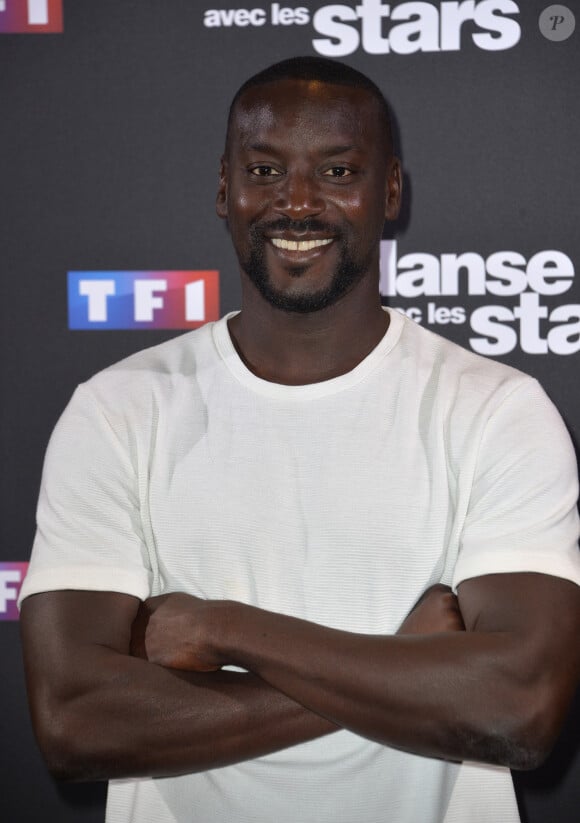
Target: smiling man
239	599
308	209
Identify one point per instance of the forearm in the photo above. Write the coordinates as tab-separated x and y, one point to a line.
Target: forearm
100	713
447	695
139	719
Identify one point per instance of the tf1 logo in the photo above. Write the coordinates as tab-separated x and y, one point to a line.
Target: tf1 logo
142	299
11	578
30	16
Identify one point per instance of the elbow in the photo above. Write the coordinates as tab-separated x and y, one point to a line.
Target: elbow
65	746
543	707
517	727
530	711
534	737
522	755
505	746
525	738
59	752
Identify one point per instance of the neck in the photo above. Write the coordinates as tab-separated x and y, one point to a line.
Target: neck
297	349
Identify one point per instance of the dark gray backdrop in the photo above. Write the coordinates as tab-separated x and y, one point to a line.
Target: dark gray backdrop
110	135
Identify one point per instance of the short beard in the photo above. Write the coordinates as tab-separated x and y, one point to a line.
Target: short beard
348	273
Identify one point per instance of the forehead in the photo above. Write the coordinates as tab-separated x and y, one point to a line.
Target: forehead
307	110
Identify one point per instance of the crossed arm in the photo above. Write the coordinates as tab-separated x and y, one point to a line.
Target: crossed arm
496	692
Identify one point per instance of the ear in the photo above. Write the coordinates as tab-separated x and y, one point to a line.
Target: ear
221	203
394	189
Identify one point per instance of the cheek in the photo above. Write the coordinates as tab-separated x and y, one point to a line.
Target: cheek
246	204
361	204
242	203
365	215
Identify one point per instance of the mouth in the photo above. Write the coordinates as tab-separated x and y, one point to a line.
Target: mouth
299	245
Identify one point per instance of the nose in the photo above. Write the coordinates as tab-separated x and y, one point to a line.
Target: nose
299	196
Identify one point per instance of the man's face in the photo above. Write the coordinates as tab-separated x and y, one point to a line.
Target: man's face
306	184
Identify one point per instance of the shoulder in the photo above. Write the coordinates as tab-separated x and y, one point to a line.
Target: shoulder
180	356
458	376
155	373
128	398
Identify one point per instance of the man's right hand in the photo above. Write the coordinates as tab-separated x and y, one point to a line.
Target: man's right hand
437	610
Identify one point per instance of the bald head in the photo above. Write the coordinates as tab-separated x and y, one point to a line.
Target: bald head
314	72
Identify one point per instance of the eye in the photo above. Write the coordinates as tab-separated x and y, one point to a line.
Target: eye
265	171
338	171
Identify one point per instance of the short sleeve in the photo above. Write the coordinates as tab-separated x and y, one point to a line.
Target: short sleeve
522	514
89	532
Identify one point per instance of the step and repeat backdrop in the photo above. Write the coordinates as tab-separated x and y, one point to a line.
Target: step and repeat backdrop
112	116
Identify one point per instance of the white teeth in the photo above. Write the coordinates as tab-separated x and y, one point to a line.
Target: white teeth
300	245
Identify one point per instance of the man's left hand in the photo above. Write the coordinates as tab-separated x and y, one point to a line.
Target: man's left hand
170	630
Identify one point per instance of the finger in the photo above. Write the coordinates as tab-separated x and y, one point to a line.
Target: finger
137	643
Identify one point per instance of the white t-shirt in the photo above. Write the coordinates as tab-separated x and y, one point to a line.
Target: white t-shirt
339	502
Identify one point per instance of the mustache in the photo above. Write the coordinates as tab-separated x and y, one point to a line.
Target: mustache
309	224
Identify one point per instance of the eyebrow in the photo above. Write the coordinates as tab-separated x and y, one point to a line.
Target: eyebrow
267	148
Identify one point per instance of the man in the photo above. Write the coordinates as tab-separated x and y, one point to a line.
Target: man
279	489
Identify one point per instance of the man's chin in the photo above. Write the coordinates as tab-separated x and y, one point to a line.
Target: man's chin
298	293
303	302
297	271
